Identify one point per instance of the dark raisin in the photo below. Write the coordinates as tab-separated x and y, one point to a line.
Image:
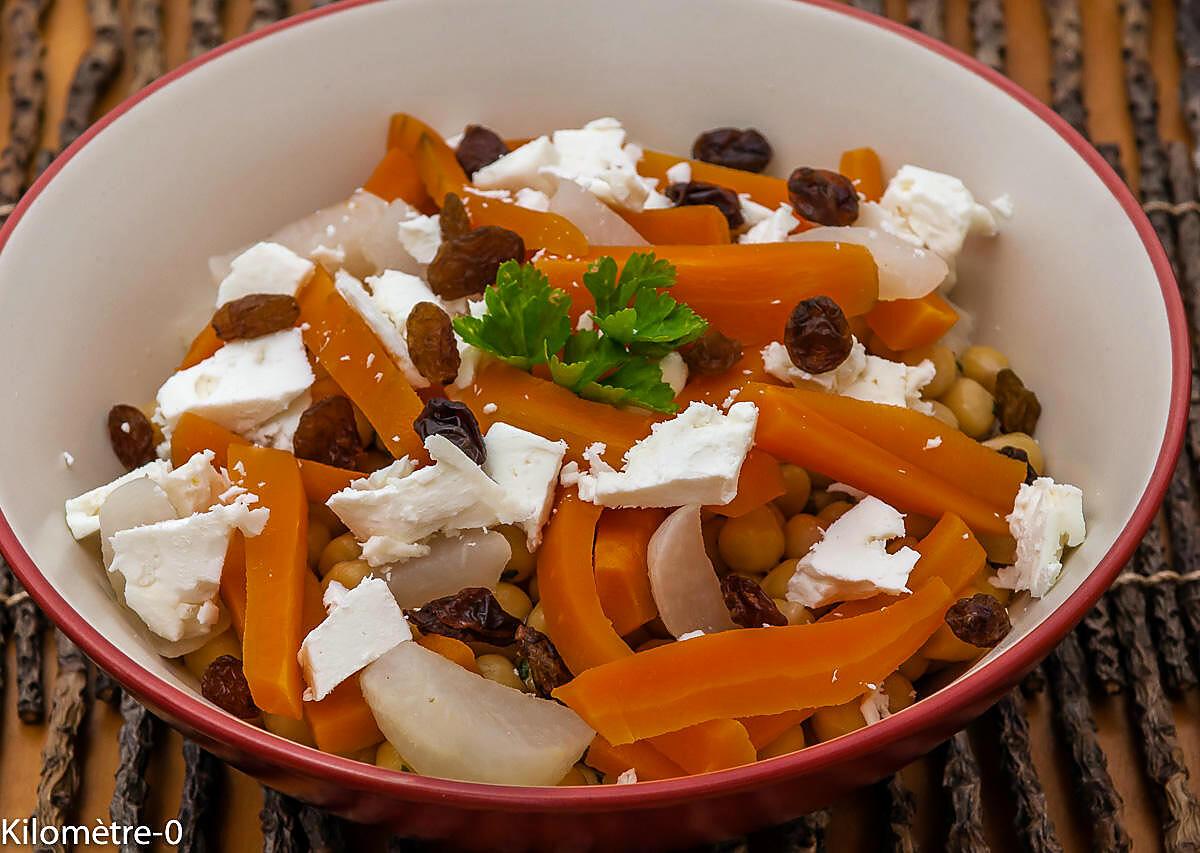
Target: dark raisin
453	219
1017	408
466	265
472	615
131	435
698	192
1021	456
738	149
328	433
255	315
455	422
817	335
712	352
979	620
540	662
749	605
822	196
480	147
431	343
224	684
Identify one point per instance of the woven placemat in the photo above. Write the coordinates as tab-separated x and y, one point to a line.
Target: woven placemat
1134	663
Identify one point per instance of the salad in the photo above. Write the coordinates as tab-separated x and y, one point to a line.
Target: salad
564	461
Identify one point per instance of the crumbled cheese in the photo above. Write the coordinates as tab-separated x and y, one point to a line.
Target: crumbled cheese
172	569
363	625
83	512
680	173
690	635
730	398
627	777
586	321
774	229
674	371
421	236
385	308
753	213
933	443
526	466
851	561
330	257
532	199
490	408
242	385
569	476
1046	517
264	268
279	431
861	376
874	706
694	458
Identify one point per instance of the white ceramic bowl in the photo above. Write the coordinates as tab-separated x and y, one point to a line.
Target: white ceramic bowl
103	277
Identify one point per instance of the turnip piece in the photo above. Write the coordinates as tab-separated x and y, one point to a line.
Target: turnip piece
905	271
451	723
452	564
682	579
594	218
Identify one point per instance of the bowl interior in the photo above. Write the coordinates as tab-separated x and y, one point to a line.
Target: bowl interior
104	279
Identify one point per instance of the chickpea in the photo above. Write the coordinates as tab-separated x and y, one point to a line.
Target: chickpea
982	582
521	564
500	669
752	542
286	727
982	364
944	646
797	487
580	774
318	538
790	741
821	499
327	517
388	758
339	550
943	363
838	720
796	613
942	412
710	529
537	619
225	643
800	533
776	582
833	512
349	573
914	667
532	589
776	511
513	599
900	692
972	405
1021	441
876	346
820	481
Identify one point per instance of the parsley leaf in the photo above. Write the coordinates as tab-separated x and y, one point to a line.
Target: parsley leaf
655	324
597	367
526	320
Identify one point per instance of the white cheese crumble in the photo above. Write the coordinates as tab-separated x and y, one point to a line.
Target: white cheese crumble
363	625
851	561
532	199
861	376
674	371
1046	517
279	431
933	443
773	229
694	458
490	408
627	777
680	173
526	466
690	635
753	213
264	268
421	236
874	707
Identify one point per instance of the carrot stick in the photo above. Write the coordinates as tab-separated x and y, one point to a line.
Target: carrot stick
438	167
396	177
760	481
764	189
539	229
622	583
752	672
708	746
766	728
233	581
452	649
347	348
862	167
203	346
715	388
276	566
909	323
691	225
639	756
322	481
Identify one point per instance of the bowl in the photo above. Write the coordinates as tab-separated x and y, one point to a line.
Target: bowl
103	278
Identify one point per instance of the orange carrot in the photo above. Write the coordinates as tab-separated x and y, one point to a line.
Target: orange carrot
233	581
451	649
719	282
621	579
349	350
439	169
276	566
639	756
690	225
764	189
766	728
550	410
715	388
204	345
539	229
708	746
396	177
322	481
862	167
909	323
752	672
760	481
405	131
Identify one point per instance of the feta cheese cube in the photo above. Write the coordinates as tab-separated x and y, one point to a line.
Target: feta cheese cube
680	173
363	625
172	569
861	376
694	458
390	334
774	229
752	212
526	466
851	561
532	199
242	385
83	512
674	370
264	268
279	431
421	236
1046	517
520	168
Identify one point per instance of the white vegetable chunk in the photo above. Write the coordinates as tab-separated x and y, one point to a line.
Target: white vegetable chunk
453	563
682	579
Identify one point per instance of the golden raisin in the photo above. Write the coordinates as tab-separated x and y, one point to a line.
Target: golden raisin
817	335
466	265
736	149
699	192
255	315
1017	408
224	684
453	219
712	352
822	196
431	343
327	433
980	620
480	146
131	435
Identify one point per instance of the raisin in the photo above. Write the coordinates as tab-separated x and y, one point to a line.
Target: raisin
455	422
749	605
328	433
698	192
979	620
472	615
1021	456
817	335
822	196
480	146
466	265
255	315
1017	408
737	149
453	219
431	343
224	684
131	435
539	661
712	352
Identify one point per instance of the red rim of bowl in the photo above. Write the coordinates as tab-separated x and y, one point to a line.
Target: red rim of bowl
920	718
